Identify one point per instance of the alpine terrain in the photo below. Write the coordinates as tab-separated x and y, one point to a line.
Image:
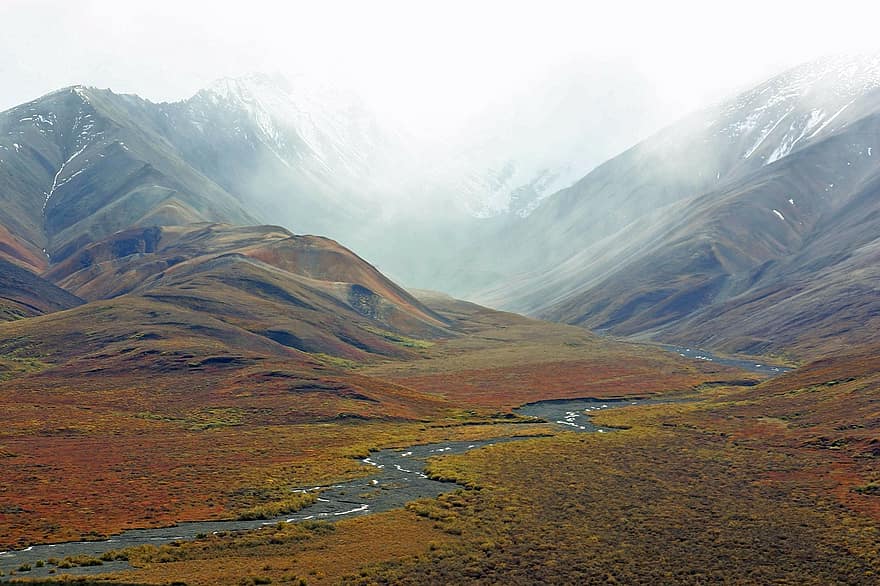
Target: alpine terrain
266	335
751	226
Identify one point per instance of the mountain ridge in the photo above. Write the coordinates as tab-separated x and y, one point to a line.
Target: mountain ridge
653	239
653	242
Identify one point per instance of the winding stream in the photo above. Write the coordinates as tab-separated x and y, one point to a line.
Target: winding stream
399	477
574	414
757	365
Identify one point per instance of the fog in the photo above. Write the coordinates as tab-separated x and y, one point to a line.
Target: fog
429	66
478	110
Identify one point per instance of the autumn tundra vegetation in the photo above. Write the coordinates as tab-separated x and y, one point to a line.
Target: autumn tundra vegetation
764	483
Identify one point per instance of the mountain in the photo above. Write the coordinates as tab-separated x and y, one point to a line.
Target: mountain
749	227
265	149
87	162
719	219
470	186
298	151
302	292
141	209
80	164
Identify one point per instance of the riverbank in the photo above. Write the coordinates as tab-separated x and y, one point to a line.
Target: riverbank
398	477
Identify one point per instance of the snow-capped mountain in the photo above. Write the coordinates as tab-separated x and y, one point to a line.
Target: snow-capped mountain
301	153
507	187
471	216
297	153
334	127
512	161
316	159
111	194
297	135
757	216
787	112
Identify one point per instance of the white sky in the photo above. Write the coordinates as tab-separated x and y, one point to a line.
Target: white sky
428	64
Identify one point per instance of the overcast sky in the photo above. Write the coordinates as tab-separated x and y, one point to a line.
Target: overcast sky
429	64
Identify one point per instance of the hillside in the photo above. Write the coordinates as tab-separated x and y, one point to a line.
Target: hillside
261	288
80	164
24	294
750	227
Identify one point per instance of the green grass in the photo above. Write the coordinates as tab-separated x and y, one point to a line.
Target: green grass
336	361
13	366
398	339
291	504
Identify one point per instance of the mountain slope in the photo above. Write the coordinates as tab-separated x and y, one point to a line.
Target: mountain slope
303	292
111	195
80	164
493	168
312	154
24	294
741	228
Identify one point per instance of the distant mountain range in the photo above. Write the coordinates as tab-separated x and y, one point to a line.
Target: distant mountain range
541	138
751	226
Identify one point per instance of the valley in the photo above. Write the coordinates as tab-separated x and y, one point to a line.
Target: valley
396	478
258	336
728	458
316	409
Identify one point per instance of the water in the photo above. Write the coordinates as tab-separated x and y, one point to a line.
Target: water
574	414
398	477
757	366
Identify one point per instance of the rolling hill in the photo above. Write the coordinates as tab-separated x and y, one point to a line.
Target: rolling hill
24	294
302	292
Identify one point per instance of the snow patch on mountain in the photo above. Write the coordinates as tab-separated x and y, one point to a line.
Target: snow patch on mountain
299	120
55	181
765	132
832	119
801	99
790	140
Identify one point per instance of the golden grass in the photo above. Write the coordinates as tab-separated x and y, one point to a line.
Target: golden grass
671	500
316	553
125	429
747	486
